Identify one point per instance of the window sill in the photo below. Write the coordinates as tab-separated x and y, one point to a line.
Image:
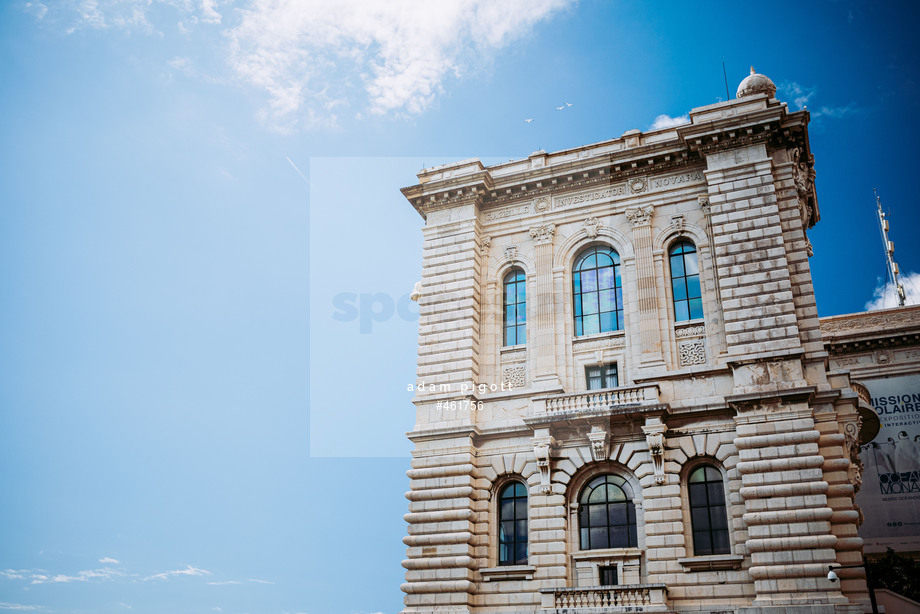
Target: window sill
607	553
716	562
507	572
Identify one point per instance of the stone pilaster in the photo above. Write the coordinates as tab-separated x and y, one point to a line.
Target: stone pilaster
543	340
646	281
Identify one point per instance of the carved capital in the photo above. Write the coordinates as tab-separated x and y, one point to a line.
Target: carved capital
591	226
485	244
640	216
703	200
543	234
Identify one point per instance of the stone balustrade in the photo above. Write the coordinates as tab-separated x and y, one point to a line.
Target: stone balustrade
601	399
630	597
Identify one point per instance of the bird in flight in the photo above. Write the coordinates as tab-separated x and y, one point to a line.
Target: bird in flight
528	120
564	106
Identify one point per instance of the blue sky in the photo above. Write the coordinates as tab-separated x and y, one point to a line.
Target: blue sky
204	350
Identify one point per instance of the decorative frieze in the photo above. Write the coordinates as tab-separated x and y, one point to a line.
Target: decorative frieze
690	331
599	344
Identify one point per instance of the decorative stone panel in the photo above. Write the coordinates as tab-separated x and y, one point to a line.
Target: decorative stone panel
692	352
515	375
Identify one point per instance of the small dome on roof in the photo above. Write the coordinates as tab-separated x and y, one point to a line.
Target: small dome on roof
756	84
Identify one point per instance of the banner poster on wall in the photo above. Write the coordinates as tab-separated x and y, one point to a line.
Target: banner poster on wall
890	493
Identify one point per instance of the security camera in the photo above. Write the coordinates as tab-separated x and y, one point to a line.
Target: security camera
831	576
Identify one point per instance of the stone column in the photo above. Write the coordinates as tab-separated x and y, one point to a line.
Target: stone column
544	346
646	282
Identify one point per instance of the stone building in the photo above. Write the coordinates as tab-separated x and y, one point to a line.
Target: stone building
624	402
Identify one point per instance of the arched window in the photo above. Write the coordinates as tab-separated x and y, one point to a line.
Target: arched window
606	514
515	308
707	511
598	291
685	282
512	525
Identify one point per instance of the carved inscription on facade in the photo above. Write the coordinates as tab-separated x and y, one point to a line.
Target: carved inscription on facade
576	199
674	181
506	213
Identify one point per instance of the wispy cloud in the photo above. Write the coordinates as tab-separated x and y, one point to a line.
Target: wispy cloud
188	571
107	560
795	94
19	607
886	296
87	575
224	582
315	59
666	121
257	581
800	96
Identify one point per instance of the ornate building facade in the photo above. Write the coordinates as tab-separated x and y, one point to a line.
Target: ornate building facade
624	400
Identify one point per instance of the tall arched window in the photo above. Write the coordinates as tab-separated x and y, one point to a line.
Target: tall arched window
598	291
707	511
515	308
512	525
685	282
606	514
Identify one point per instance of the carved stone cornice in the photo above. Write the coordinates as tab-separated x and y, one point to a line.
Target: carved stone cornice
872	330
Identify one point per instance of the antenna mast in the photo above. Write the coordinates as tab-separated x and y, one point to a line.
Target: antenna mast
889	251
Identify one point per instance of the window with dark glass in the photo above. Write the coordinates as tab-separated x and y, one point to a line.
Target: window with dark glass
606	514
512	525
515	308
602	376
707	511
608	575
598	291
685	282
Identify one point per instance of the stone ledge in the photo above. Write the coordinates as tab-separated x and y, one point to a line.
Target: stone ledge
508	572
715	562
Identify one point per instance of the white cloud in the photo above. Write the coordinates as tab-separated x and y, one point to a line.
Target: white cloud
795	94
18	606
311	56
666	121
106	573
188	571
224	583
885	295
107	560
260	581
